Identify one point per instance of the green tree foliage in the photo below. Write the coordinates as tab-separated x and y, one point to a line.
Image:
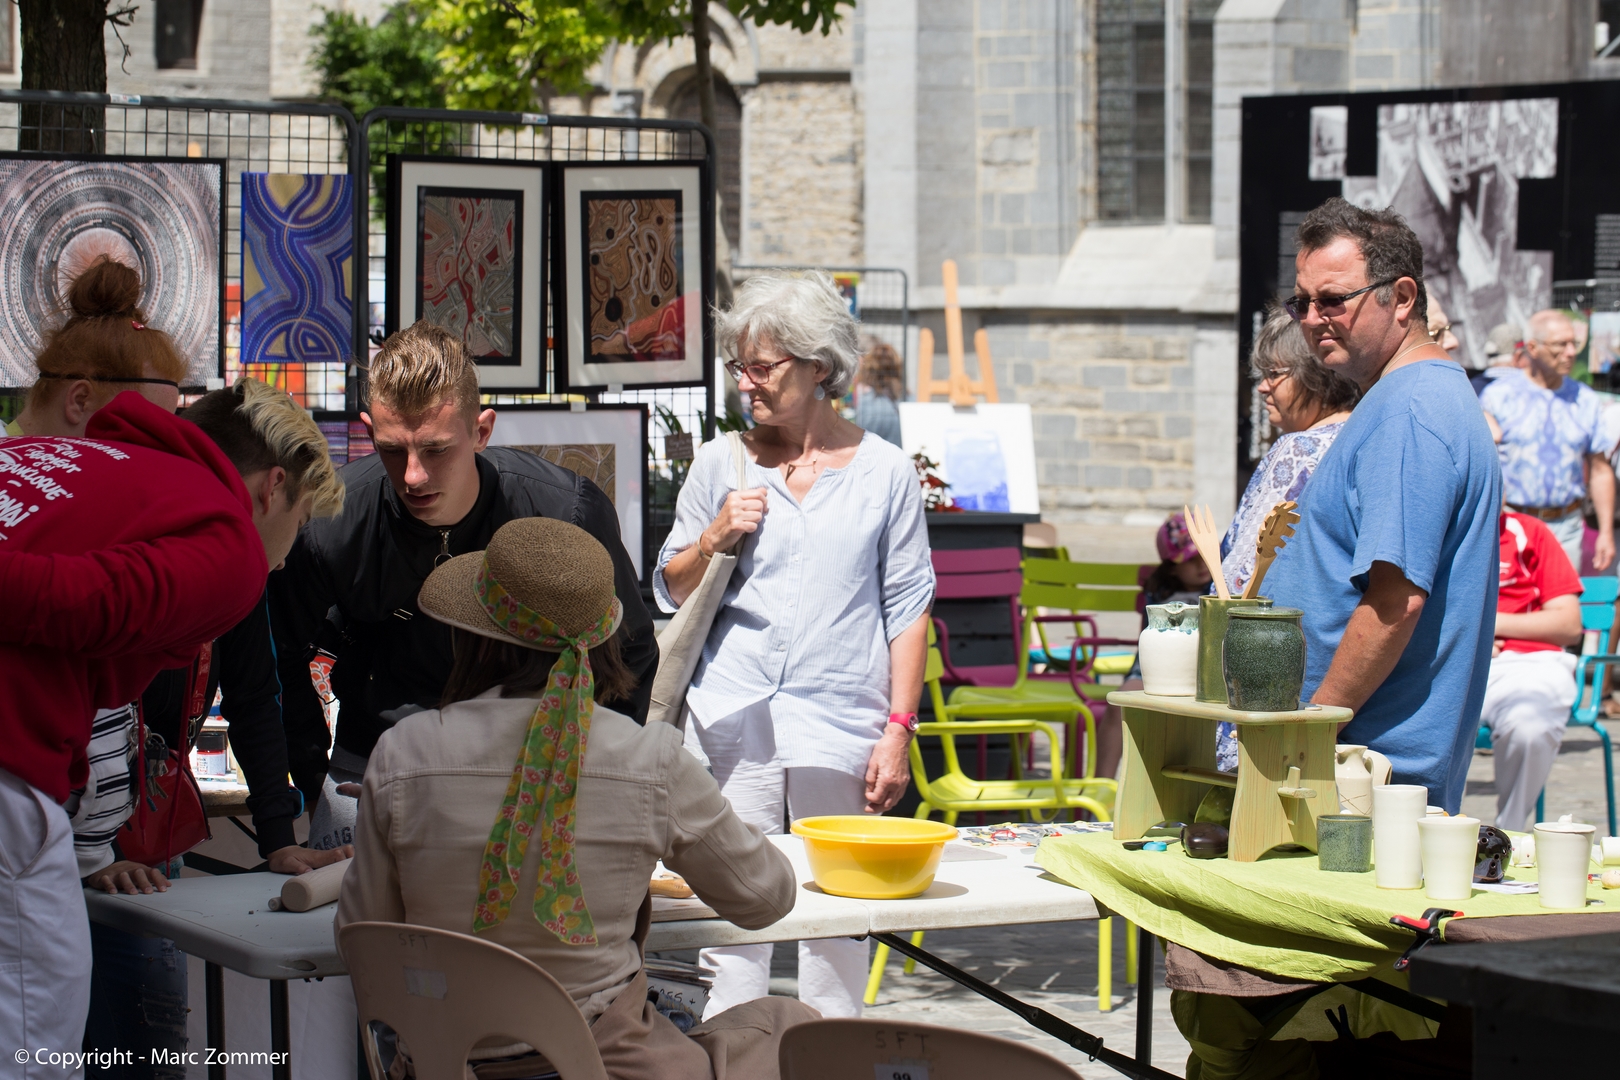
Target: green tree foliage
511	54
365	67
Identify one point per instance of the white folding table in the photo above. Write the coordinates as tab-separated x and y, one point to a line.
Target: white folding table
227	922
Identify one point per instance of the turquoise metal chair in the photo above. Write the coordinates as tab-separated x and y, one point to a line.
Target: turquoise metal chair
1598	596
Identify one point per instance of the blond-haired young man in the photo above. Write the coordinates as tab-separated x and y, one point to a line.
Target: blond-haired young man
434	489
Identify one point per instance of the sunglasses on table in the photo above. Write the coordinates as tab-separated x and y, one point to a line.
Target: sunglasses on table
758	373
1329	307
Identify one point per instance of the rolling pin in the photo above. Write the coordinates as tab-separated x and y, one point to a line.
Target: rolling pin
313	889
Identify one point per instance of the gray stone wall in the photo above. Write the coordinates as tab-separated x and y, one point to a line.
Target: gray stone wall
233	55
803	165
1114	407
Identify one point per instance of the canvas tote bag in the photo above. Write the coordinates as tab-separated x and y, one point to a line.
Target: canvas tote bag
680	646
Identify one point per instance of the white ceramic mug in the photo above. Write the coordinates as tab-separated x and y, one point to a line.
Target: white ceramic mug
1563	853
1397	856
1450	846
1611	850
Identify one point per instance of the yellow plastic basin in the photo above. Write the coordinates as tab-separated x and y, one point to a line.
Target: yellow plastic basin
873	858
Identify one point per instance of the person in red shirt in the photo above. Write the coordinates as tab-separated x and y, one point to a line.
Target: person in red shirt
1532	680
121	554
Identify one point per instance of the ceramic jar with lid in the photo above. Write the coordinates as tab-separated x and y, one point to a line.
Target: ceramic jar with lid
1168	650
1212	615
1263	658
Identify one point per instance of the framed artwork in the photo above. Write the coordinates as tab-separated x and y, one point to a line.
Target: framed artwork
986	453
297	268
466	244
604	443
632	263
163	216
347	439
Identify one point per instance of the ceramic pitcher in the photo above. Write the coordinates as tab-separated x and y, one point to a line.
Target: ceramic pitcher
1169	650
1358	771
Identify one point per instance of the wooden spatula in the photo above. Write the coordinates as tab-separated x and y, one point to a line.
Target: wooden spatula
1208	542
1278	527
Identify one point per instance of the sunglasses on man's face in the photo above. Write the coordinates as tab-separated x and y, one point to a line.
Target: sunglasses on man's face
1329	306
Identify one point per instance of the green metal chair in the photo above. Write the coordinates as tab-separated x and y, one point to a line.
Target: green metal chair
1058	591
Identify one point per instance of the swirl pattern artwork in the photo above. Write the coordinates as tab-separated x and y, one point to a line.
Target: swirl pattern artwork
297	268
469	269
160	216
633	273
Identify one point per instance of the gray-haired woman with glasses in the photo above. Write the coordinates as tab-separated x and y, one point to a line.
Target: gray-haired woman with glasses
806	697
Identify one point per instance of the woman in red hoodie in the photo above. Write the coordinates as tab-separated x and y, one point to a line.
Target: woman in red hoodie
107	545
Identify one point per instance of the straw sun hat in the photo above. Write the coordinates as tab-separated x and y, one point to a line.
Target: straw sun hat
533	566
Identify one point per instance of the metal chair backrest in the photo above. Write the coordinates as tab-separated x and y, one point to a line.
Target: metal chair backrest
444	992
1597	611
822	1049
980	587
1080	590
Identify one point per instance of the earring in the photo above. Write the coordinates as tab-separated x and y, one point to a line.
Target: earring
821	394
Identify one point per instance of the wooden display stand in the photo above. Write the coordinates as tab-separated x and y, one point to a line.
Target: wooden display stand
961	390
1285	775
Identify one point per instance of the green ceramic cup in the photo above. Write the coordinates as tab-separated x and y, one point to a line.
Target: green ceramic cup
1212	613
1344	843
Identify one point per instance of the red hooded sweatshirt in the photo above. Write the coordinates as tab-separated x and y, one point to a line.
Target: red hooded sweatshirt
121	554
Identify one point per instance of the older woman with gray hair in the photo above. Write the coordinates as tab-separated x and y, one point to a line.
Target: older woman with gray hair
805	700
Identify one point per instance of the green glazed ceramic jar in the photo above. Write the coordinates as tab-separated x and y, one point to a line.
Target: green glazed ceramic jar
1263	659
1212	613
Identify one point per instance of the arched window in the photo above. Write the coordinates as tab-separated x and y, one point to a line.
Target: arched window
728	135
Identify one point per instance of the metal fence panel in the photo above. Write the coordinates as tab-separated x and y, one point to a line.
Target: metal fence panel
251	136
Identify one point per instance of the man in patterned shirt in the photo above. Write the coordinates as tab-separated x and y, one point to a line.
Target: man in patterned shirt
1552	437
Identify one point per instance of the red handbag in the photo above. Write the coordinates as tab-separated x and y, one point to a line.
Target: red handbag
168	819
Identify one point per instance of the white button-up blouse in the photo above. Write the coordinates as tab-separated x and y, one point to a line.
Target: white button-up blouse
820	590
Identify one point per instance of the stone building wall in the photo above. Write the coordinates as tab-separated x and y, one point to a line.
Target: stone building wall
802	165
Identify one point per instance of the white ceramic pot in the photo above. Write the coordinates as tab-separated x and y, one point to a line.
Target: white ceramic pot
1563	854
1450	846
1168	650
1397	855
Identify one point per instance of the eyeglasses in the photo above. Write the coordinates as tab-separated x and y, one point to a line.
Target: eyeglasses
758	373
1329	307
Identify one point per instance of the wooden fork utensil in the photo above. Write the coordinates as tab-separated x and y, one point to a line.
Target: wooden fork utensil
1208	542
1278	527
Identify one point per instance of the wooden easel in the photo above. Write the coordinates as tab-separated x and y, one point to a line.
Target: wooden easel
959	388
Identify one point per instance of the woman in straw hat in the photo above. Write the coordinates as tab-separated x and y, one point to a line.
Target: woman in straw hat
524	813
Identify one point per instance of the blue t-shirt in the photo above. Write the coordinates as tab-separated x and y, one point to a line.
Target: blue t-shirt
1412	480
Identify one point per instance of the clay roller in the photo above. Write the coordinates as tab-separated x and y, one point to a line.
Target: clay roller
313	889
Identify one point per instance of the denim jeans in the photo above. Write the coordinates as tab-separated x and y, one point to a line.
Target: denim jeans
137	1002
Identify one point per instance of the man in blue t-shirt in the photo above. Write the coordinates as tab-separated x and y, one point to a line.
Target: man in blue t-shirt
1395	561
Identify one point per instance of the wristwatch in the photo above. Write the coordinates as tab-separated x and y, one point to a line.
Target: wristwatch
907	720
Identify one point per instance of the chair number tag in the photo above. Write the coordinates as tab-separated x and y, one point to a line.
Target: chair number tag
907	1070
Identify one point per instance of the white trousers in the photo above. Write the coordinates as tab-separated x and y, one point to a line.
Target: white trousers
1527	703
44	935
741	749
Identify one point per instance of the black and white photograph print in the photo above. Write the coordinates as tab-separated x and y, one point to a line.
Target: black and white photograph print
1330	138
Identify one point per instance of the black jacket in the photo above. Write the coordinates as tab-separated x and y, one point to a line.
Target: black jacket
366	565
243	668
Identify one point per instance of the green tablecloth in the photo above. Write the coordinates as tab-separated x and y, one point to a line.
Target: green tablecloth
1281	914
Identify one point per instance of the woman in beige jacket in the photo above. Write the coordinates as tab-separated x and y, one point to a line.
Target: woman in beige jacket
524	813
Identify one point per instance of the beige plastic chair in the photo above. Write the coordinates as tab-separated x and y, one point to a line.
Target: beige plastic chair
840	1049
444	992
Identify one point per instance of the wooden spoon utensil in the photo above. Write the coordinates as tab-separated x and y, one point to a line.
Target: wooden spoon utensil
1278	527
1208	542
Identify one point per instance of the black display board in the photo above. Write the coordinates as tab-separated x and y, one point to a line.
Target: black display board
1509	188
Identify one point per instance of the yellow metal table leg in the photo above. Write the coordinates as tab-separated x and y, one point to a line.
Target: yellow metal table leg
1130	952
911	965
880	960
1105	965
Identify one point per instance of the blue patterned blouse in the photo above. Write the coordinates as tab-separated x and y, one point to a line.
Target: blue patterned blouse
1281	476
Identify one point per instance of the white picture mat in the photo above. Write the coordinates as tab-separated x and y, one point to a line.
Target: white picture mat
682	178
621	427
526	178
926	427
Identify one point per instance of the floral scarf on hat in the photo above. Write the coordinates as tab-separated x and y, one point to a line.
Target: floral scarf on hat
544	779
